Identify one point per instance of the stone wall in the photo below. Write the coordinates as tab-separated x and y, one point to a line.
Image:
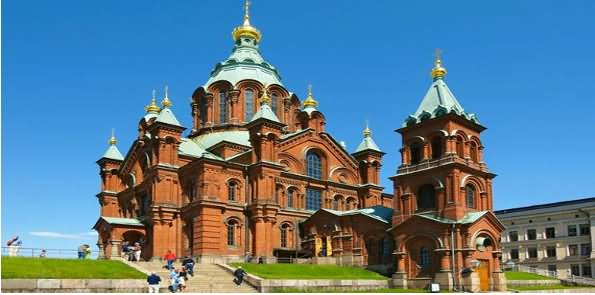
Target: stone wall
73	286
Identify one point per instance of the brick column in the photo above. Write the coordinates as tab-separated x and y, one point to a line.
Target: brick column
210	110
115	248
233	106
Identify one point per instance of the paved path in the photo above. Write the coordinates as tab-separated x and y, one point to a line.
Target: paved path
208	278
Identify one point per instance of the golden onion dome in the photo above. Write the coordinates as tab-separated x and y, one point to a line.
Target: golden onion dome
112	140
438	72
246	30
153	107
166	103
310	102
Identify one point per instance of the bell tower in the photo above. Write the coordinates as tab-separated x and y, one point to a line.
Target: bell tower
442	170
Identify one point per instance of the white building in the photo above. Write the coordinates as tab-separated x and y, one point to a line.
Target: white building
555	236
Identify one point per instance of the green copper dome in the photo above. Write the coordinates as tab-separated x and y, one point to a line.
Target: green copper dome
245	62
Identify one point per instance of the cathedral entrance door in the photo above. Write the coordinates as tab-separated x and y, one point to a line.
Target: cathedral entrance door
484	275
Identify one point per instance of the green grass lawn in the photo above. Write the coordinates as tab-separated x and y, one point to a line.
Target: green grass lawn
547	287
519	275
49	268
320	290
309	271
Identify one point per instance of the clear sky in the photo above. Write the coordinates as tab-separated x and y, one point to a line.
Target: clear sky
72	70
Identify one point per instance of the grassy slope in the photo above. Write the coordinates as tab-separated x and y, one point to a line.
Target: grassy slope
518	275
308	271
548	287
47	268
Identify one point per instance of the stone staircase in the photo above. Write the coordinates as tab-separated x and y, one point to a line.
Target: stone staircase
208	278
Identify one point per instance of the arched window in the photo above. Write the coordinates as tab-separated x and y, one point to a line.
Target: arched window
312	199
335	204
248	104
416	153
231	232
284	235
424	258
290	198
460	147
222	108
426	197
436	147
349	204
232	191
470	196
473	151
313	164
274	98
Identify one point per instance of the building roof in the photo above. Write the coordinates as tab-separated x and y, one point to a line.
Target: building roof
438	101
122	221
113	153
167	116
378	212
265	112
547	206
207	140
191	148
467	218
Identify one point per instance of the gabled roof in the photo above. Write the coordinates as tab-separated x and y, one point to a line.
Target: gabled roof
167	116
113	153
190	148
438	101
470	217
381	213
207	140
265	112
120	221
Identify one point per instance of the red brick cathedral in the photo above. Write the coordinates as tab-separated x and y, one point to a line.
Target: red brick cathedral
257	176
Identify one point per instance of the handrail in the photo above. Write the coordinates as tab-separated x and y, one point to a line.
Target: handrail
555	274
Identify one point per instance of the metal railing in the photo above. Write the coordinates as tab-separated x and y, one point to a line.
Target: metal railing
37	252
570	278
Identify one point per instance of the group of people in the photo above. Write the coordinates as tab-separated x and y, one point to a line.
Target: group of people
131	252
14	245
179	276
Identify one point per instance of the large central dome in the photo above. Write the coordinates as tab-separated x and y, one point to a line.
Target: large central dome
245	61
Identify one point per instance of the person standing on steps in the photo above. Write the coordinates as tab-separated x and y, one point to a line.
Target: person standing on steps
239	276
174	281
153	280
188	264
170	257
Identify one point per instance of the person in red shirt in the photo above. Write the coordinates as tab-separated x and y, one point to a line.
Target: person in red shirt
170	257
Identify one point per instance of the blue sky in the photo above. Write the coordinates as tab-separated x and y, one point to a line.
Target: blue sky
72	70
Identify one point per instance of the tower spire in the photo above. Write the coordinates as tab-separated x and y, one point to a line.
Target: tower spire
153	107
265	99
367	132
438	72
166	102
112	140
246	29
310	102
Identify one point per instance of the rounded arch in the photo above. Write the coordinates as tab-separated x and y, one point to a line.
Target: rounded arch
233	190
438	243
473	180
292	162
219	85
342	175
414	139
495	243
315	162
351	203
293	197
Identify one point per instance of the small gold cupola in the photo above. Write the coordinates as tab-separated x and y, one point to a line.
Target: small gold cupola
246	29
166	103
265	99
112	139
367	132
310	102
438	72
153	107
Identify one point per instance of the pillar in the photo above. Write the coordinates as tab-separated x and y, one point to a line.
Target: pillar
210	110
399	279
498	277
445	275
101	254
115	248
234	109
